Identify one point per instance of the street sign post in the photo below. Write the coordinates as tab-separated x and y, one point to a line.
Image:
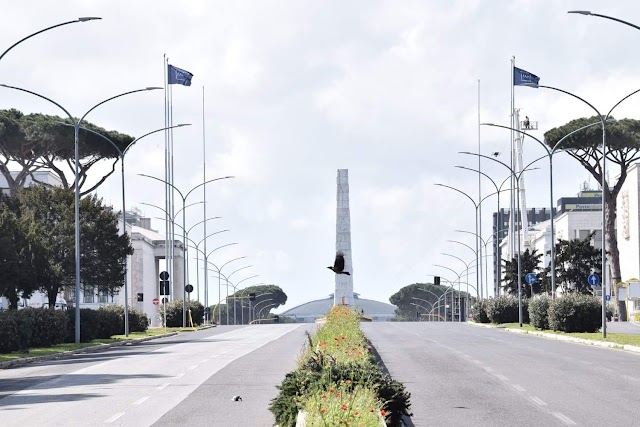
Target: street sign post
593	280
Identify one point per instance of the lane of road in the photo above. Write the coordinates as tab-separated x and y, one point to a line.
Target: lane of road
464	375
132	386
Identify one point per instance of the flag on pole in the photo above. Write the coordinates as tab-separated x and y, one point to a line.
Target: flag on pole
522	77
178	76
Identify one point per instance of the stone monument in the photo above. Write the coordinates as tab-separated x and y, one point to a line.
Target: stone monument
343	294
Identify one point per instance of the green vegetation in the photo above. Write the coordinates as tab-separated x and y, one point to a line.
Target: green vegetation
338	382
575	313
530	263
174	313
479	311
505	309
424	298
538	311
616	338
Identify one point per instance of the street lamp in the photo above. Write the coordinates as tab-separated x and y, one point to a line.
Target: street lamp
468	265
81	19
121	153
235	296
605	187
219	271
76	126
227	279
255	307
453	296
589	13
184	202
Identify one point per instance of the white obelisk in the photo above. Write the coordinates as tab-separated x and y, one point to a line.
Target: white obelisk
344	283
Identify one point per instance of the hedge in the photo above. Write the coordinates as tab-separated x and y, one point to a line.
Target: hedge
539	311
479	311
575	313
138	321
174	313
504	309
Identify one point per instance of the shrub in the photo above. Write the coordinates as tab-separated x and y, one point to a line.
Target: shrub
479	312
637	316
138	321
575	313
47	327
174	313
8	332
90	326
503	309
539	311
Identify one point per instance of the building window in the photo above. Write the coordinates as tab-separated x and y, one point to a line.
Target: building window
88	296
71	291
103	297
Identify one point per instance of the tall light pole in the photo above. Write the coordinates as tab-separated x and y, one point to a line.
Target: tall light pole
76	126
241	301
468	265
184	243
227	280
452	298
605	188
81	19
121	154
219	271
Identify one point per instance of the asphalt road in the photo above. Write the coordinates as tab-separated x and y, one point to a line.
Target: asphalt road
184	380
462	375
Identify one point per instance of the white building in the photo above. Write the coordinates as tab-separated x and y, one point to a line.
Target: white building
628	229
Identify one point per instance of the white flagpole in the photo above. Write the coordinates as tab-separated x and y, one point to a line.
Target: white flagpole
204	215
166	187
479	237
512	215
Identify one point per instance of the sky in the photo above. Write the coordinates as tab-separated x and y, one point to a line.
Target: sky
296	89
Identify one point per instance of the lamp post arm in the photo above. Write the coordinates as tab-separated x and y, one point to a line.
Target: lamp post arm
46	99
83	19
481	173
463	244
151	133
487	157
201	222
588	13
114	97
206	182
165	182
459	191
120	152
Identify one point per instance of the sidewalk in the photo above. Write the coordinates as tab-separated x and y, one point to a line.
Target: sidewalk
551	335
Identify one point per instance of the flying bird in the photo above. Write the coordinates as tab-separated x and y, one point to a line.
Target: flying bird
338	265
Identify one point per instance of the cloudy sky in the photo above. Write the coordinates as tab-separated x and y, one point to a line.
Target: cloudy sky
295	90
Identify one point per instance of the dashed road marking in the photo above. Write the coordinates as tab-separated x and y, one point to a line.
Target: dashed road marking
180	375
629	377
518	387
502	377
140	401
192	367
486	368
476	361
162	386
538	401
115	417
568	421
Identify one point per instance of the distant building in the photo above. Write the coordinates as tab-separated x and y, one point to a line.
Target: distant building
312	310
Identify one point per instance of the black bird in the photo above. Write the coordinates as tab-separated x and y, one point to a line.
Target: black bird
338	265
236	399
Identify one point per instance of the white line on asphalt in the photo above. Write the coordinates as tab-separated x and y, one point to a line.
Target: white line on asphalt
115	417
192	367
477	362
502	377
538	401
180	375
140	401
488	369
568	421
518	387
629	377
162	386
585	362
204	361
467	356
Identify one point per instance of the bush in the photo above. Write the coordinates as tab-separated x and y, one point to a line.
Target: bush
138	321
637	317
575	313
503	309
8	332
479	312
47	327
174	313
539	311
94	324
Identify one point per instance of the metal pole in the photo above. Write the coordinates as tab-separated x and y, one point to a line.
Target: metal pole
184	265
604	227
124	233
76	130
519	212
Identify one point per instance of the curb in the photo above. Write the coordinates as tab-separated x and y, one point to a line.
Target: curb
27	360
631	348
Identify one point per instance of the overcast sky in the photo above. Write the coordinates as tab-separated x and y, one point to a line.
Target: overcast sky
295	90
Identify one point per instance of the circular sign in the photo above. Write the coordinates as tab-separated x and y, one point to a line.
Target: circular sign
607	297
165	300
530	278
188	288
164	275
156	301
593	279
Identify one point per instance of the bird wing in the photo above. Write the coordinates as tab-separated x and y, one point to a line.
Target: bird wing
338	265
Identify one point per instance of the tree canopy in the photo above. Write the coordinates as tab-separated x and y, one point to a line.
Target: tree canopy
529	263
268	296
36	141
426	296
576	259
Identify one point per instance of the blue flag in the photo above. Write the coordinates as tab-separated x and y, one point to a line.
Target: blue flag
178	76
522	77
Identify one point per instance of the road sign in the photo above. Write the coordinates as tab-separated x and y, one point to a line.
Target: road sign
164	287
164	275
188	288
156	301
607	297
593	280
530	278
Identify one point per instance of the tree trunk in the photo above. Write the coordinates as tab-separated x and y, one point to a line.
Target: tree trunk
613	252
52	296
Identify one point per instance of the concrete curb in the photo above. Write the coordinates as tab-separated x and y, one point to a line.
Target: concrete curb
631	348
26	360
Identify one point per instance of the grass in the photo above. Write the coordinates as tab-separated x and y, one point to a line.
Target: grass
61	348
616	338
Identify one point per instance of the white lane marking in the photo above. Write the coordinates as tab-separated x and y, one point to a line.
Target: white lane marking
502	377
568	421
629	377
476	361
538	401
586	362
467	356
180	375
192	367
162	387
518	387
204	361
115	417
486	368
141	400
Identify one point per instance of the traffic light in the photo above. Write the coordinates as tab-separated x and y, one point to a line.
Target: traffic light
276	318
418	314
436	280
252	296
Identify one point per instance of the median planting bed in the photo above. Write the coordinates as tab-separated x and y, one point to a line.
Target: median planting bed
338	381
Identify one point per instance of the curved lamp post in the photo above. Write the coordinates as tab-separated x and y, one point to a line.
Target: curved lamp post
605	189
219	271
121	154
76	126
184	202
255	307
227	279
468	266
452	298
235	292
